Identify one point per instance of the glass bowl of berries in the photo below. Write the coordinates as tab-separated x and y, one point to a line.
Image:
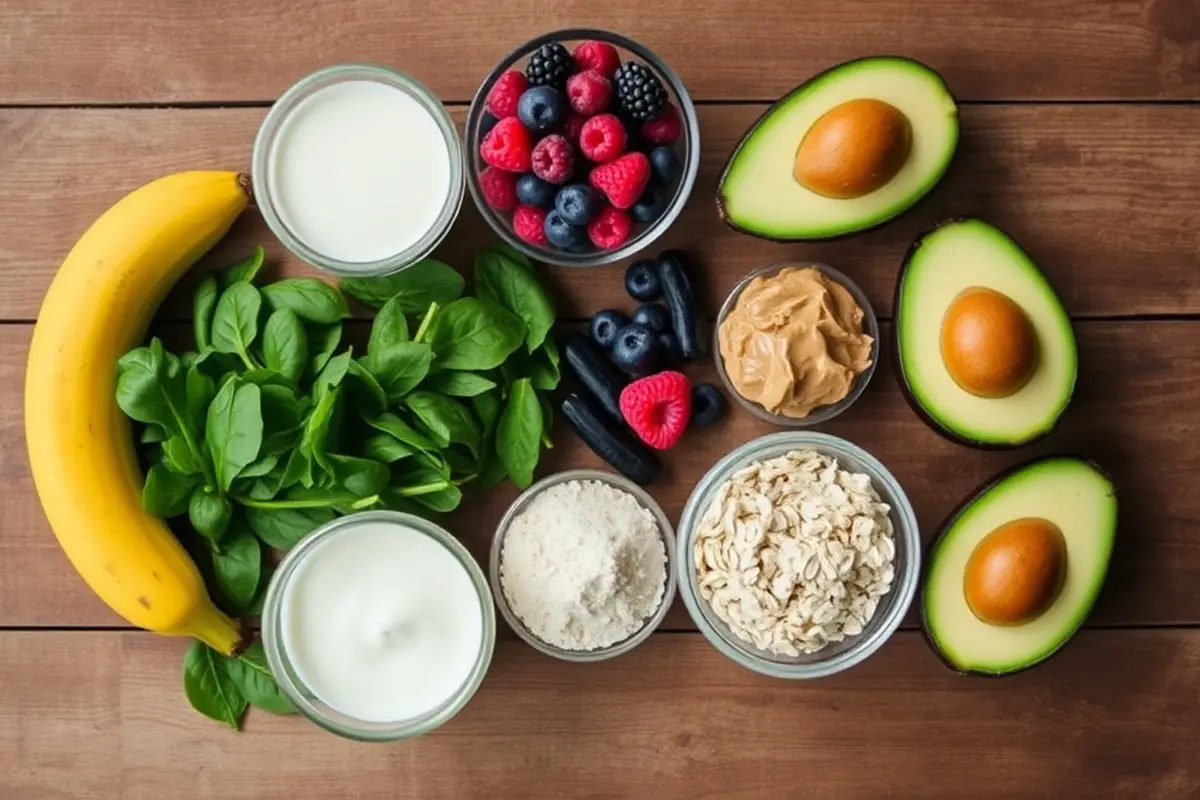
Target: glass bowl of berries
582	147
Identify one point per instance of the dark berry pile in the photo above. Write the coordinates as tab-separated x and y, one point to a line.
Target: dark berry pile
580	148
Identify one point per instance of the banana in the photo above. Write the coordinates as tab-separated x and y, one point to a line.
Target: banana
81	449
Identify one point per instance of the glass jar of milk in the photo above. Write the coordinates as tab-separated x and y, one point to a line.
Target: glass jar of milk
358	170
379	626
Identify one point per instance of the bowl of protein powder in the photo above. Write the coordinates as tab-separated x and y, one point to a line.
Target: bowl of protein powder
582	565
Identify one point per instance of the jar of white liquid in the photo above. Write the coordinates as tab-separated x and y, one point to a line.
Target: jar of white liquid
379	626
358	170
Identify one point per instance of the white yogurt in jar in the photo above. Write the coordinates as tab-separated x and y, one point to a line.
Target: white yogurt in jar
382	622
359	171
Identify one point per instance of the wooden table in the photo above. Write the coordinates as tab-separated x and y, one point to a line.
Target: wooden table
1080	123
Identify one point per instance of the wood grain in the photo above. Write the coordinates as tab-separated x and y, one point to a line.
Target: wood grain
1104	201
163	51
1133	408
103	715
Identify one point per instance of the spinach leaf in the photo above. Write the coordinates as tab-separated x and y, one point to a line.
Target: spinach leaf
203	303
445	419
151	389
400	430
315	439
252	675
544	371
444	500
372	399
244	270
547	421
234	429
491	470
362	477
200	390
417	286
181	456
282	417
260	466
209	688
235	321
518	435
390	326
505	277
153	434
399	367
462	465
209	514
285	344
237	565
266	377
384	448
331	376
458	384
283	527
487	407
473	334
311	299
166	493
297	470
323	341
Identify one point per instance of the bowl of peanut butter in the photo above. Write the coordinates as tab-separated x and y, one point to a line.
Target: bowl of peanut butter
796	343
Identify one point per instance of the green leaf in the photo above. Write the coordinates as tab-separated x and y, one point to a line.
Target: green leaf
417	286
390	326
473	334
491	472
209	688
252	675
384	448
203	303
372	399
331	376
518	435
244	270
311	299
445	419
234	429
180	456
282	528
488	407
153	434
150	387
399	367
199	389
400	430
285	344
544	370
505	277
237	565
458	384
547	421
297	470
260	466
362	477
323	341
235	321
166	493
209	514
282	417
444	500
315	439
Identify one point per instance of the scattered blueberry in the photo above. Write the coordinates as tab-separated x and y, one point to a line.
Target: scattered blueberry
486	124
561	233
604	327
669	354
708	405
654	316
541	108
664	164
642	281
650	205
578	203
635	349
533	191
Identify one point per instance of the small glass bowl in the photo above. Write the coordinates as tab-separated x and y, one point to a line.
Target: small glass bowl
261	170
688	149
306	702
821	413
893	606
651	623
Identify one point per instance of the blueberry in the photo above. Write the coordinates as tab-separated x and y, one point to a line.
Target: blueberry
541	108
642	281
604	326
533	191
708	405
563	234
650	205
664	164
578	203
654	316
669	354
635	349
486	123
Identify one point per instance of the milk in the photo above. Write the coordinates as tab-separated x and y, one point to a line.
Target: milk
359	171
381	622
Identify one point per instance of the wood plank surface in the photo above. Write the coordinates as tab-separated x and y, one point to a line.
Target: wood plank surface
1104	201
166	51
1135	410
103	715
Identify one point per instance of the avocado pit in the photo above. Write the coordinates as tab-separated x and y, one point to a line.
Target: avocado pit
853	149
1016	572
988	344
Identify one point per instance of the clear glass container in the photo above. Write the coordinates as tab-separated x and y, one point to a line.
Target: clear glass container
262	167
311	706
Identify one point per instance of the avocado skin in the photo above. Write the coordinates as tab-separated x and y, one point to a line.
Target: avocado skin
783	100
898	367
948	524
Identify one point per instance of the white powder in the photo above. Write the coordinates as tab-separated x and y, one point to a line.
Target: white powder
583	565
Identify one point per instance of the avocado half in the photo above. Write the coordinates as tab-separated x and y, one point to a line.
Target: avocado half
956	255
757	193
1073	493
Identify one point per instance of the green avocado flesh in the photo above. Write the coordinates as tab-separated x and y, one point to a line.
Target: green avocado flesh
953	257
758	194
1069	492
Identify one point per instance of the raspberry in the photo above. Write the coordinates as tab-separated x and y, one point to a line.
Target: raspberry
507	146
623	180
658	408
602	138
553	159
610	229
528	223
499	188
600	56
588	92
573	126
664	129
505	92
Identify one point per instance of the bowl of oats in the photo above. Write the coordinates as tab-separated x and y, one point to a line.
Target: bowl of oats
798	555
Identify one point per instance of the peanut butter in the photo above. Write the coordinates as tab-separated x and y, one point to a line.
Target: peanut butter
794	341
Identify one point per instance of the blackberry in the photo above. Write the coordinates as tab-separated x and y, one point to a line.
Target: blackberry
640	94
550	65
